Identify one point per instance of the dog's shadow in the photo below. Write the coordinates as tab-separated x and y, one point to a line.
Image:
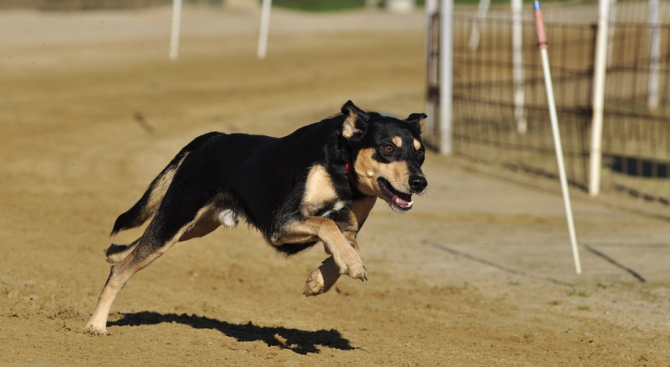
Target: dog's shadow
298	341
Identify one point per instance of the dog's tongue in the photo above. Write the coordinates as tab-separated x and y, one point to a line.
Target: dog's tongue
405	204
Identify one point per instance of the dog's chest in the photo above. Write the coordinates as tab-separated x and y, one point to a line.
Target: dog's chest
320	197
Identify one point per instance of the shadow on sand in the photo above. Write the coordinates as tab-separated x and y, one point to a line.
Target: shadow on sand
298	341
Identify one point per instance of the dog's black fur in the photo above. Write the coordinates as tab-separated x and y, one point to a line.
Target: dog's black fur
316	185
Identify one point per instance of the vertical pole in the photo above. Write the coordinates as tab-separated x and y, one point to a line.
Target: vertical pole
265	24
654	52
600	65
518	67
446	74
174	34
482	10
429	130
610	33
542	45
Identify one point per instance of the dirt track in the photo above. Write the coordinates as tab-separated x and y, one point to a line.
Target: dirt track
479	274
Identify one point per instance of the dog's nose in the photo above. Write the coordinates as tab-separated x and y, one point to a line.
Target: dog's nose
417	183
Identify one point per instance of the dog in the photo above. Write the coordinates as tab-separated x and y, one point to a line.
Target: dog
314	186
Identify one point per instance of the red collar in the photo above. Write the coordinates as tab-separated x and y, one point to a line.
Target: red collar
350	174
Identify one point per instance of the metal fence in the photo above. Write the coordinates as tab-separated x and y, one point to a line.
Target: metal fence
636	136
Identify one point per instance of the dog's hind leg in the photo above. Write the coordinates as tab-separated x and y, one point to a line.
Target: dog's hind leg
153	243
182	208
207	223
141	256
116	253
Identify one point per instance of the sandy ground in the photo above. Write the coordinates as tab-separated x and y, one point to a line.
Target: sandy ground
479	274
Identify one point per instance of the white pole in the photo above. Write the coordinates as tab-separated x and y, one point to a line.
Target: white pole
174	34
600	66
610	33
654	52
542	45
518	67
431	9
482	10
265	24
446	74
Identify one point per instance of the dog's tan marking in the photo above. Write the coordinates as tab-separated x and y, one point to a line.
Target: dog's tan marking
417	144
368	169
397	174
301	231
351	237
116	253
358	213
158	191
365	168
204	224
349	126
319	190
360	209
397	141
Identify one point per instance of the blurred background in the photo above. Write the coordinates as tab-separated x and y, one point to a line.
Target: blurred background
490	126
306	5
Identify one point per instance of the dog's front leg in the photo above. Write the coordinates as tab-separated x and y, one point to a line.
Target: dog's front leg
322	279
325	230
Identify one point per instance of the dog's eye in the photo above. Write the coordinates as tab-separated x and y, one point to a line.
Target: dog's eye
388	148
420	153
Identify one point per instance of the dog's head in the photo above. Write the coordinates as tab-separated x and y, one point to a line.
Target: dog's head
387	154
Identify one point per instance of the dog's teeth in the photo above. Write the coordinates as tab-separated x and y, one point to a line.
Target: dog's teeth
402	203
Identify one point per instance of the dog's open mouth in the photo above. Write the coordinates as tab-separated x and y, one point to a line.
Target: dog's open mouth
396	199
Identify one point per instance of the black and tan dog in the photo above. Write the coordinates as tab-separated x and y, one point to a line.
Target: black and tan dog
316	185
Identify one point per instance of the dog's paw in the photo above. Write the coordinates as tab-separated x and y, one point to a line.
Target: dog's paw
314	284
322	279
358	272
90	330
351	264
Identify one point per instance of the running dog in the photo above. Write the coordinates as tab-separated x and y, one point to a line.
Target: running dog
314	186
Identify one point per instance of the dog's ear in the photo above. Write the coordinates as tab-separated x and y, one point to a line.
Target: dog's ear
416	119
355	123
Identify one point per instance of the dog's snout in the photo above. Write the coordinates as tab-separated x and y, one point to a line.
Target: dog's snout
418	183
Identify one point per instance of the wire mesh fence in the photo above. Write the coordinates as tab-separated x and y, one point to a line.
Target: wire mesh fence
636	134
636	139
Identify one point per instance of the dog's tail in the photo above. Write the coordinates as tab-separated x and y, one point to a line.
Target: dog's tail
148	204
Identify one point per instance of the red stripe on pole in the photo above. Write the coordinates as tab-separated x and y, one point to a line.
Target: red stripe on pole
539	27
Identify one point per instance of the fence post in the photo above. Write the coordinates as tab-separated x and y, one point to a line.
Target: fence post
429	129
475	34
174	29
264	27
600	65
518	67
654	52
446	74
610	36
